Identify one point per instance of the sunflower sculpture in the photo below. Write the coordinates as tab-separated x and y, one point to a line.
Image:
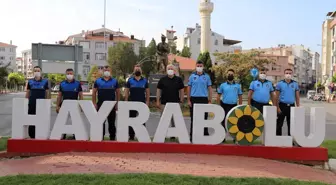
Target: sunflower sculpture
245	124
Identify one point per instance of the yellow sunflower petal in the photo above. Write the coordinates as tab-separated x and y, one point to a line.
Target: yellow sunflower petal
249	137
256	131
240	136
259	123
255	115
233	120
238	113
247	110
234	129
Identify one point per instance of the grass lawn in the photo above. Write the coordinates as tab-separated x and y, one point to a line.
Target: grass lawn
142	179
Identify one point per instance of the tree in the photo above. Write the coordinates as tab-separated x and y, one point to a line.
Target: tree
16	79
55	78
149	64
185	52
206	59
92	74
122	59
173	49
3	75
333	80
241	63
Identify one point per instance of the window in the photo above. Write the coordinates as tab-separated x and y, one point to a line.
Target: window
100	45
11	58
216	42
86	56
199	41
2	49
276	68
86	45
333	46
11	49
2	58
100	56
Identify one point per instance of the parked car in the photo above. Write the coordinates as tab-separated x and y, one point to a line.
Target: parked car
55	88
310	94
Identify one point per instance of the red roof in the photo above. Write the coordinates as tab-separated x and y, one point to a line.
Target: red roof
6	45
186	64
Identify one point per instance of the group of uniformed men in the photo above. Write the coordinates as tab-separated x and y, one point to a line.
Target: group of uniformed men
170	89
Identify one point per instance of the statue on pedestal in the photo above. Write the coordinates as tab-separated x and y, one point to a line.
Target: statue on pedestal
162	53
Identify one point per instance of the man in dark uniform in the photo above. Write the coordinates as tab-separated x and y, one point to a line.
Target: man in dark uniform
136	90
261	91
69	89
199	92
287	94
108	90
170	89
37	88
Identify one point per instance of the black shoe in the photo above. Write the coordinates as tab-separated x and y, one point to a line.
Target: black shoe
132	138
112	138
224	141
172	138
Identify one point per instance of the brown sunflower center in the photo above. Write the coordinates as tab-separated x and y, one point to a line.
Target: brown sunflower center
246	124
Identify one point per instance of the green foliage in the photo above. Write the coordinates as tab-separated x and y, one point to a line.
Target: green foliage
185	52
318	85
90	78
122	59
206	59
16	78
241	63
3	75
121	81
55	78
333	80
148	54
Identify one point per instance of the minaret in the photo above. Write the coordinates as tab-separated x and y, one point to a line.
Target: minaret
205	8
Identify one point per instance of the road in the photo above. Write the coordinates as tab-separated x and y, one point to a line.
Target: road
6	116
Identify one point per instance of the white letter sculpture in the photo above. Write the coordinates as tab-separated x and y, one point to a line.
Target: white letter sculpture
271	139
21	119
199	124
172	111
317	126
137	123
70	107
96	119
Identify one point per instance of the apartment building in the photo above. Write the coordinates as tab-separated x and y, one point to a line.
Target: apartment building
8	55
27	64
95	46
296	57
19	65
329	46
192	39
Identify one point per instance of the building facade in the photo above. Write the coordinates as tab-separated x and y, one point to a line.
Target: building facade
296	57
95	46
27	64
218	43
8	55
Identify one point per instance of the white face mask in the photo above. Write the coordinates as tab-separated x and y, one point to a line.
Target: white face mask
69	77
37	74
170	72
107	73
262	76
199	69
288	76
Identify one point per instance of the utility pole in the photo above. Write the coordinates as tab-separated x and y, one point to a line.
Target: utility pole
105	48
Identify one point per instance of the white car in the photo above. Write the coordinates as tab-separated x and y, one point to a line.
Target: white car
310	94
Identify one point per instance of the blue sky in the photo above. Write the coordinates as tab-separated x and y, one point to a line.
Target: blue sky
257	23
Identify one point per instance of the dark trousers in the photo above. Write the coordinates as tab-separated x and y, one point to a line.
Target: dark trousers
285	112
259	106
111	124
197	100
131	133
31	128
227	108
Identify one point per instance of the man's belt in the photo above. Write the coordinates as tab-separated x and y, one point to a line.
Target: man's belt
287	104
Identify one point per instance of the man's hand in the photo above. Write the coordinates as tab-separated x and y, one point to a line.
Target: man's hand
209	102
189	103
96	106
147	103
57	109
279	110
